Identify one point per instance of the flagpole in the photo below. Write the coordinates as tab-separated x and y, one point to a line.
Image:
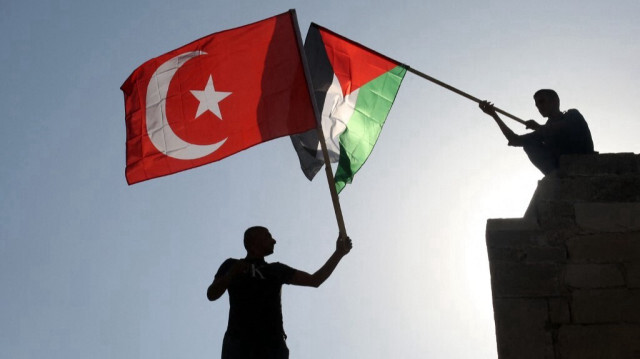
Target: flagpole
459	92
325	154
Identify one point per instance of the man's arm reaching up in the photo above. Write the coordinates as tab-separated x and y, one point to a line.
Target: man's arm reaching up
343	246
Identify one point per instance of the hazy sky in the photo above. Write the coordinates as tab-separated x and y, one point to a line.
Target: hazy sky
93	268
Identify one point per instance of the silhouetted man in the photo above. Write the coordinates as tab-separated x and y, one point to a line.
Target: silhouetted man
563	133
255	327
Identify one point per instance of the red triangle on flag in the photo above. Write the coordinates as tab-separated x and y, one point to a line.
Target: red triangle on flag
353	64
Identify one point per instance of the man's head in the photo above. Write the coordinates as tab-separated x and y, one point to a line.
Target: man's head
547	102
258	241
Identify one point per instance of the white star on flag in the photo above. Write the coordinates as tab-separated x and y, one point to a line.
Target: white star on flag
209	99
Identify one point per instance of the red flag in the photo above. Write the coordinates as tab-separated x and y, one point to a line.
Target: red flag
214	97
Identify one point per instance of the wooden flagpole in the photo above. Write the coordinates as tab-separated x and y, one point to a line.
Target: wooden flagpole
462	93
327	163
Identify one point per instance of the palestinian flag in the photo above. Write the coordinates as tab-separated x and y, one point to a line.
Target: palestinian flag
355	88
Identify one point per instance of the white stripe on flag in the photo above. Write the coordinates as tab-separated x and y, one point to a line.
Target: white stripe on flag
336	113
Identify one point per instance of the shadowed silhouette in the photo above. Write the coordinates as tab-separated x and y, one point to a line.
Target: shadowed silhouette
564	132
255	328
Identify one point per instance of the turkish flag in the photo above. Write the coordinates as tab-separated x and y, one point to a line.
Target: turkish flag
214	97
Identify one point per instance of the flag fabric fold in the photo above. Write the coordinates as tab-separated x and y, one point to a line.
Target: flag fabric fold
214	97
355	88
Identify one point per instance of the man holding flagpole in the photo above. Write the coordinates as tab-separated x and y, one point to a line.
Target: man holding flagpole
255	328
563	133
205	101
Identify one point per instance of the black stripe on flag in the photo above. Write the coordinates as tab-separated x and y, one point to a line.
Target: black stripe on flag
306	144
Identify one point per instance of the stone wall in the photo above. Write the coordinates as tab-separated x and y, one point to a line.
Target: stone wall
566	277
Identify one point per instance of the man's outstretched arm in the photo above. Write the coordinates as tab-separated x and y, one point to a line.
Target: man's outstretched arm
514	140
343	246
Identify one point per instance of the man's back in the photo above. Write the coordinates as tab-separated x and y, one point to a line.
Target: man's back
254	298
573	136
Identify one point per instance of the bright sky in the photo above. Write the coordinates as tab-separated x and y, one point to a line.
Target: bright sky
93	268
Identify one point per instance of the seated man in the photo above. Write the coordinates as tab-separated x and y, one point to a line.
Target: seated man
563	133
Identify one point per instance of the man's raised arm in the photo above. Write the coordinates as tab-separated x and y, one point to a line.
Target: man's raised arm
343	246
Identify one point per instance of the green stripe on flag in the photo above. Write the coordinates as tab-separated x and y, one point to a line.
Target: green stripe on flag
372	107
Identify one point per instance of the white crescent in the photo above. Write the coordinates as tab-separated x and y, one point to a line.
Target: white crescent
158	129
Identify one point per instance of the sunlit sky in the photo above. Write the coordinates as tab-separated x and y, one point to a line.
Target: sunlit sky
93	268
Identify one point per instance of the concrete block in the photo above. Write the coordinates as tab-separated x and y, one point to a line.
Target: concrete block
593	276
590	189
555	214
604	248
528	254
521	328
633	274
599	342
608	217
598	164
614	189
546	254
559	312
514	234
506	255
526	279
513	239
553	188
511	224
605	306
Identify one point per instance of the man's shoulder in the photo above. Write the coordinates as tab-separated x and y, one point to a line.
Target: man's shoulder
281	266
282	271
573	114
225	266
230	261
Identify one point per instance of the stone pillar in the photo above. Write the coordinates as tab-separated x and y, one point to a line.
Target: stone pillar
566	278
